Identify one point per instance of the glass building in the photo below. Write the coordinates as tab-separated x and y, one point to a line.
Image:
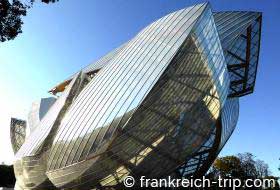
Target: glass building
162	104
17	133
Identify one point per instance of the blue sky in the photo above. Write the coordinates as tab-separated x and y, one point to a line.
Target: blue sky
61	38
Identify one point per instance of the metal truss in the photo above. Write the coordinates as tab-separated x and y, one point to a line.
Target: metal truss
17	133
199	163
243	69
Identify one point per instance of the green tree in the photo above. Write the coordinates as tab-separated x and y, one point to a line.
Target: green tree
242	166
7	176
228	166
11	13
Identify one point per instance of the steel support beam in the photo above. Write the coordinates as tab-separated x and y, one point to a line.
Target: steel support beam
212	152
236	56
248	55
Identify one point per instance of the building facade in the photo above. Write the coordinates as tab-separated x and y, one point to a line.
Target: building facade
162	104
17	133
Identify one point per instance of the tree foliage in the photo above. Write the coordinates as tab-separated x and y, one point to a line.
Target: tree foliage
228	166
11	19
7	176
11	13
243	166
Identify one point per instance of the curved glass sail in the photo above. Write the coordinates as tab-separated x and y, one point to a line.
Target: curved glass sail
163	104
